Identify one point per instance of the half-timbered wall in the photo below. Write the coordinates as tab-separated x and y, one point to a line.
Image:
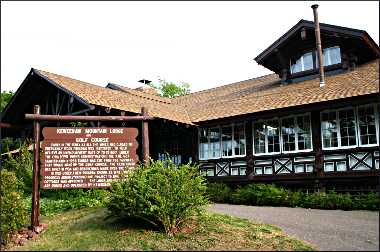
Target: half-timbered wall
355	153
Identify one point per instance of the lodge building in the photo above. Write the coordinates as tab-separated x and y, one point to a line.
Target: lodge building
283	128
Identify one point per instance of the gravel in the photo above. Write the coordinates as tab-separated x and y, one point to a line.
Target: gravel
324	229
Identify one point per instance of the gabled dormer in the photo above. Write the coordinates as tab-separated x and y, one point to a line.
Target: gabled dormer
294	55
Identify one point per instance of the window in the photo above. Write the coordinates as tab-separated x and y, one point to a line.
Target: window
329	130
239	140
367	125
304	132
305	62
203	144
273	136
227	141
214	142
259	137
285	135
288	134
222	141
331	56
349	127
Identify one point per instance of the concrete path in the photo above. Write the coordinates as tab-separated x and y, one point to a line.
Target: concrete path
324	229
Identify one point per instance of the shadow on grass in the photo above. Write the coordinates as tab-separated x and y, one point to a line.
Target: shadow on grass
102	220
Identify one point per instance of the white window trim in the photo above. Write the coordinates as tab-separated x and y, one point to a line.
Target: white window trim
220	142
339	147
374	105
280	135
357	128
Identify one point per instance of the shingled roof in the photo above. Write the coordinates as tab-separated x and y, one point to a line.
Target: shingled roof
125	101
245	97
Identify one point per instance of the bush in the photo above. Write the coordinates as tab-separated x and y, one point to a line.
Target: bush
13	209
219	192
271	195
50	206
260	194
163	194
22	166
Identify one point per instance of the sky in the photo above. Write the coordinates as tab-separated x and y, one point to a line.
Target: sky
206	44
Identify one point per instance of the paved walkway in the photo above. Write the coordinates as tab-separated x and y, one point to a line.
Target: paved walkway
325	229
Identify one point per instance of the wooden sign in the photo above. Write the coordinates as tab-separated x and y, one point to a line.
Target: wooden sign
86	157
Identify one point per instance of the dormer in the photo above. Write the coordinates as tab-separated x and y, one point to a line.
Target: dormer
293	55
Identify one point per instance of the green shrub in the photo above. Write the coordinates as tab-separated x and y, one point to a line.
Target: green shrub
13	209
50	206
260	195
163	194
22	165
219	192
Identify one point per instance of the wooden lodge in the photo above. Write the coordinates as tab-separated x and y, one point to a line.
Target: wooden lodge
282	128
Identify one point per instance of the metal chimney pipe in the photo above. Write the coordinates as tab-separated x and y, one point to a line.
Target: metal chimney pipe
319	46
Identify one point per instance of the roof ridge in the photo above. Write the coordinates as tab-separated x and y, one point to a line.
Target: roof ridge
143	95
222	86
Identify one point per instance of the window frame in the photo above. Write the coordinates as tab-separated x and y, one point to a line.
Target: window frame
220	126
315	63
294	116
375	106
357	128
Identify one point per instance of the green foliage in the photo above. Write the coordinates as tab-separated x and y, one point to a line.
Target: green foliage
272	195
163	194
51	206
219	192
13	209
21	164
171	89
6	96
259	194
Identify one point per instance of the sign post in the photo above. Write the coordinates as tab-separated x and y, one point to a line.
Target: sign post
35	221
83	157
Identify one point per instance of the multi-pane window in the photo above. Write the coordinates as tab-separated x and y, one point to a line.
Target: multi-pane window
349	127
222	141
305	62
288	131
304	132
283	135
273	136
331	56
259	136
329	129
227	141
214	142
367	125
239	140
203	143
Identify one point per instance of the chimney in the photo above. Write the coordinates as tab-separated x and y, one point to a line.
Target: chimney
319	46
145	88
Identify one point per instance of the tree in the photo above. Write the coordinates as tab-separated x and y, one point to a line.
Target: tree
6	96
171	89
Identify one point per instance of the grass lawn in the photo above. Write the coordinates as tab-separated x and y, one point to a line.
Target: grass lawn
87	229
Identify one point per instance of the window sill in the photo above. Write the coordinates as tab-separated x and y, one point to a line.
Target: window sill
350	147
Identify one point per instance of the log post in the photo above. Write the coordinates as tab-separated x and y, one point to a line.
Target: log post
35	218
145	136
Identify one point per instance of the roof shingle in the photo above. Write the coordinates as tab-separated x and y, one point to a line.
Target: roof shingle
245	97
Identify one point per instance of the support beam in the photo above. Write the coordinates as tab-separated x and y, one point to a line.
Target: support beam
86	118
145	135
35	217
